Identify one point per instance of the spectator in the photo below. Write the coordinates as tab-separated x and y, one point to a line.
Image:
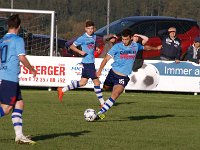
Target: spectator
141	39
171	45
138	38
109	40
193	52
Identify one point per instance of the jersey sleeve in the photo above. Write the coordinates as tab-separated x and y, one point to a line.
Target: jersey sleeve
20	46
112	51
78	42
140	47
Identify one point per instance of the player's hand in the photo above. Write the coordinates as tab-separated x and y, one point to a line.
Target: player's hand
98	73
98	50
82	53
115	36
34	72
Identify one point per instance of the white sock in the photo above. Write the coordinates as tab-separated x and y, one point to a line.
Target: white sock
107	105
17	121
73	85
99	94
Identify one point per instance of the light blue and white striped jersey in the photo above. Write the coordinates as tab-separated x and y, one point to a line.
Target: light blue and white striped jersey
11	46
87	44
124	56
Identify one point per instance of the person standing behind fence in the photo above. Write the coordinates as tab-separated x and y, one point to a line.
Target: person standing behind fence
109	40
171	45
88	44
193	51
12	52
142	39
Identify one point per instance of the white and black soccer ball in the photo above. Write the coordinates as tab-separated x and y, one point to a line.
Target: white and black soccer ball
90	114
146	78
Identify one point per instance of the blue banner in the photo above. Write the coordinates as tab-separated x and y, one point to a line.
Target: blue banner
179	69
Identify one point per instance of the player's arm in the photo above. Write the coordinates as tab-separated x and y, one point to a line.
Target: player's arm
27	64
143	37
75	49
148	48
103	63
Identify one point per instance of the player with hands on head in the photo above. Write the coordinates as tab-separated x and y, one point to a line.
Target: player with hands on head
88	44
12	52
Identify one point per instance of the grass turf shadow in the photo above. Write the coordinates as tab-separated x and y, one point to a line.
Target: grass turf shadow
55	135
149	117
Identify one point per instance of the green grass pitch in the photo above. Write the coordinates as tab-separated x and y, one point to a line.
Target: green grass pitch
137	121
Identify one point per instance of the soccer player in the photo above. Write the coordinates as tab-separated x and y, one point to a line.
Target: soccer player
123	54
88	44
12	52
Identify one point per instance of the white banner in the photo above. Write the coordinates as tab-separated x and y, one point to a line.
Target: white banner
159	75
57	71
155	75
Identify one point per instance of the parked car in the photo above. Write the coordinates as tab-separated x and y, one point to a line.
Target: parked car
35	44
187	30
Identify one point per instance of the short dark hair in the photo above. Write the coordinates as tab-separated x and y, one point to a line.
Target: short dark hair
89	23
126	32
14	21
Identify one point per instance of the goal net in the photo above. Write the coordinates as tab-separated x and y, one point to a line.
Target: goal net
37	30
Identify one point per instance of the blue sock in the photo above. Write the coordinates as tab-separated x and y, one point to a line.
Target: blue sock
1	112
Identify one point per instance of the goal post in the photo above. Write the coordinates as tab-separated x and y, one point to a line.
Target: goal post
52	13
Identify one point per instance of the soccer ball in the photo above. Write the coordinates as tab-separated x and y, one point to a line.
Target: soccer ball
146	78
90	114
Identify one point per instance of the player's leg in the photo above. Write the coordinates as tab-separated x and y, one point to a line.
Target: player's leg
5	110
109	81
2	113
90	72
18	122
98	91
7	97
73	85
107	88
117	90
119	84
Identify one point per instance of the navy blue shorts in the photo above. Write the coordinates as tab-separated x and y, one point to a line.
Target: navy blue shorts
10	92
89	71
115	79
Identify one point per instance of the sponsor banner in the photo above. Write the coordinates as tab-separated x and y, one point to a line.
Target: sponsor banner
57	71
159	75
51	71
154	75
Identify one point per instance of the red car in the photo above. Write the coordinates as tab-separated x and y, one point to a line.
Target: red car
187	30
